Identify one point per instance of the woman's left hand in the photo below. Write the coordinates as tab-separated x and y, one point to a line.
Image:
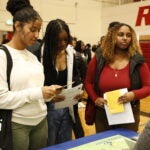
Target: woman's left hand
127	97
79	96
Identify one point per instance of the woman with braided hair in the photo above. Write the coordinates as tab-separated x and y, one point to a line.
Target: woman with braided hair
62	65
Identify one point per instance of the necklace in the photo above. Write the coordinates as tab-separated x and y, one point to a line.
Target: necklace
116	73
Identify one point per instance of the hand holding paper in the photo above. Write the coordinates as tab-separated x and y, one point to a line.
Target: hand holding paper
112	101
69	97
122	115
58	98
79	96
127	97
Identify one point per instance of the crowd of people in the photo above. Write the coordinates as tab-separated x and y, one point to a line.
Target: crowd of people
40	69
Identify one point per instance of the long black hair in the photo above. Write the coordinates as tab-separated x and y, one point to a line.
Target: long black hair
50	41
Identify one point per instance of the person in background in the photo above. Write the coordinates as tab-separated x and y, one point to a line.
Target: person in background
60	67
94	48
112	24
28	95
74	41
88	51
101	40
77	125
5	39
143	142
80	47
120	61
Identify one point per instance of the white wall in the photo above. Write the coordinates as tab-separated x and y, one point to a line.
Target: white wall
126	13
4	15
87	19
82	16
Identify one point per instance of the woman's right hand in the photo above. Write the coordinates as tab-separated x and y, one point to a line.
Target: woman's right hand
50	91
58	98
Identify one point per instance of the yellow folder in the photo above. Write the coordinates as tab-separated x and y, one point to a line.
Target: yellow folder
112	102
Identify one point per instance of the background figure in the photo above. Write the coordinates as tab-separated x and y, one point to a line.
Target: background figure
94	48
57	60
112	24
74	41
5	39
80	47
77	125
143	142
88	51
27	96
120	61
101	40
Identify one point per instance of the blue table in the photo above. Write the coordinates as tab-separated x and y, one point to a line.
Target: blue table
91	138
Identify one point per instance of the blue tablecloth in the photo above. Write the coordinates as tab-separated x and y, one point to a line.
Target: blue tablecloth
91	138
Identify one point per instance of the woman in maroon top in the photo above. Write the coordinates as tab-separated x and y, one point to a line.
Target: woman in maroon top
119	64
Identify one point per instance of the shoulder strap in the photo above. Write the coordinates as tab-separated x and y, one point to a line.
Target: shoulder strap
9	63
6	115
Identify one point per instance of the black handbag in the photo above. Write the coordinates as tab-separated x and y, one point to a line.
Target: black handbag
6	115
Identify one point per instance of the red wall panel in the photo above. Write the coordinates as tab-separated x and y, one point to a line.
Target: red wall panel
145	46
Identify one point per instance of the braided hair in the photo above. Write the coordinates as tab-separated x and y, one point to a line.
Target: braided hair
50	41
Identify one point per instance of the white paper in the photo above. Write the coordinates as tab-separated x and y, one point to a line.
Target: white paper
69	101
69	94
120	118
116	142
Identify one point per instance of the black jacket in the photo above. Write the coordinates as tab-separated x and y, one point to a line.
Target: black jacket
79	70
135	62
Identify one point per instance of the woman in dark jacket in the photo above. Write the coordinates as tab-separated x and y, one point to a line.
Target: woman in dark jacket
118	64
61	66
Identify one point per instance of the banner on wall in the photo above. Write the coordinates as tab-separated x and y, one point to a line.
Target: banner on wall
143	14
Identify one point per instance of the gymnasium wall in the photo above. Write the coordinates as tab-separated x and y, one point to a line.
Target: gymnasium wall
88	19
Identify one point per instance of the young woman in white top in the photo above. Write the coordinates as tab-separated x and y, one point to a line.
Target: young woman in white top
28	95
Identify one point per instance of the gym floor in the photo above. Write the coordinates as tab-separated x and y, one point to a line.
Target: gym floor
144	117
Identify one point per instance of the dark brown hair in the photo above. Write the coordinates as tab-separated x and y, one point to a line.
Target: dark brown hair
22	11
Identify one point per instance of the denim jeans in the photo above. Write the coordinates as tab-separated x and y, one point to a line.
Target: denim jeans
59	126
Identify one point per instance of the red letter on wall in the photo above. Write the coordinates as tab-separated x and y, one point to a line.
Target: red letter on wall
144	13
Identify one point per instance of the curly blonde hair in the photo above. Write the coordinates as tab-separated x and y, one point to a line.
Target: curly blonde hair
109	43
